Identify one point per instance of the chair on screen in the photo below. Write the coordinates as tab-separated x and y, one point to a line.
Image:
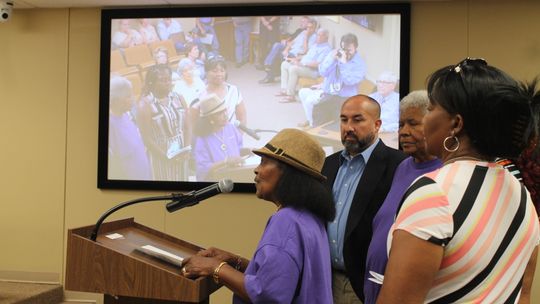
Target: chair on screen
139	56
136	83
305	82
168	44
119	66
366	87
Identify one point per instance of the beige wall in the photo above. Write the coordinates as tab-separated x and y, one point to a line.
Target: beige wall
49	70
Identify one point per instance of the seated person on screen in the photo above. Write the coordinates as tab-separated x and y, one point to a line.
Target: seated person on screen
309	97
343	69
148	31
205	36
126	36
388	99
303	66
189	85
217	142
168	28
274	53
127	153
161	56
293	48
198	58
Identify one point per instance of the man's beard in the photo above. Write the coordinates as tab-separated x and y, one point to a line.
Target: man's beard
358	145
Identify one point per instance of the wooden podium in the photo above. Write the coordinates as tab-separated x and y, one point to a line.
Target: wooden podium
114	267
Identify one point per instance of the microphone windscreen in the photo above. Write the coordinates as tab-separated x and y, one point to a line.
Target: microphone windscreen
225	185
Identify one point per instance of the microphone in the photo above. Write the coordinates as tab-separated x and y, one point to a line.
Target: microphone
247	130
179	201
194	197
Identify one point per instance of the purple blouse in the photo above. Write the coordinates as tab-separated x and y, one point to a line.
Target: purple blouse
215	148
377	257
292	261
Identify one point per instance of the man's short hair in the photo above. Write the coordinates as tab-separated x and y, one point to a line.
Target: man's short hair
349	38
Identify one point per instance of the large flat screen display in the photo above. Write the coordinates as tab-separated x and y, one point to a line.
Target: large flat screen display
187	92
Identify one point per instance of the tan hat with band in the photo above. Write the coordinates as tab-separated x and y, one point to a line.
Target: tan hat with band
298	149
211	104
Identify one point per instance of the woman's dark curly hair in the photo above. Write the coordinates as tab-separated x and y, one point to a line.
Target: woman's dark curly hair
302	191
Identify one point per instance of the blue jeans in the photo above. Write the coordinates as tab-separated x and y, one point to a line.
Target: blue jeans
274	53
241	39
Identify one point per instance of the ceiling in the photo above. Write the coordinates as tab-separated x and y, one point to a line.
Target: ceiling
22	4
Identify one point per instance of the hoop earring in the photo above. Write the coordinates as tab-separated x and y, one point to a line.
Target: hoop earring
446	141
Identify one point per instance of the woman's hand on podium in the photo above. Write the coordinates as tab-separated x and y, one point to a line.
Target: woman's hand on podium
219	254
199	266
232	259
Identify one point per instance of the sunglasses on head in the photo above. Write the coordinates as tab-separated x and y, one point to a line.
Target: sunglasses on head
468	62
458	69
215	58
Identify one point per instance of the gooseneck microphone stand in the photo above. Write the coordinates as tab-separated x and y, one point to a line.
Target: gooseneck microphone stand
173	197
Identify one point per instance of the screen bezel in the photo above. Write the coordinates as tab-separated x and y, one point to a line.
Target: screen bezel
191	11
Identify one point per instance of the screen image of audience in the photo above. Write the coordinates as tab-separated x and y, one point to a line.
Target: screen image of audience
167	110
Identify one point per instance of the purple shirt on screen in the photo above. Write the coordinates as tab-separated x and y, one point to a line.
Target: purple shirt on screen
215	148
292	261
127	154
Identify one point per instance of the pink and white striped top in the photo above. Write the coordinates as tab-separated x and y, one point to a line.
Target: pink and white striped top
486	222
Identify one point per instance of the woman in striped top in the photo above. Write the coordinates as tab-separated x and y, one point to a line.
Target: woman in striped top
468	232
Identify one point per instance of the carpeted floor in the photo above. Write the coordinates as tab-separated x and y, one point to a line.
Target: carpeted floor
30	293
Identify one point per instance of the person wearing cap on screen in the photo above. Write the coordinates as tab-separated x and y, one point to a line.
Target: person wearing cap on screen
292	261
388	99
217	142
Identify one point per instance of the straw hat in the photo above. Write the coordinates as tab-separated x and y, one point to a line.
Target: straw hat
211	104
298	149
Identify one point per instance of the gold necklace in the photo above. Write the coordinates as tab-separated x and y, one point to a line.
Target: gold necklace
461	158
221	139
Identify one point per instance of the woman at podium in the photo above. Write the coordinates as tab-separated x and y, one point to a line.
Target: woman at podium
292	261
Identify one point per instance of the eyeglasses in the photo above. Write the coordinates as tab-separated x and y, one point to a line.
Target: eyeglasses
468	62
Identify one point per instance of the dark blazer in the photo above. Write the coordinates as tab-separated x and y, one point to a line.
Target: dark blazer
370	194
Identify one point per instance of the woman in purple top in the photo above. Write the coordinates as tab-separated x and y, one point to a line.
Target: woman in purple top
217	142
292	261
412	109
